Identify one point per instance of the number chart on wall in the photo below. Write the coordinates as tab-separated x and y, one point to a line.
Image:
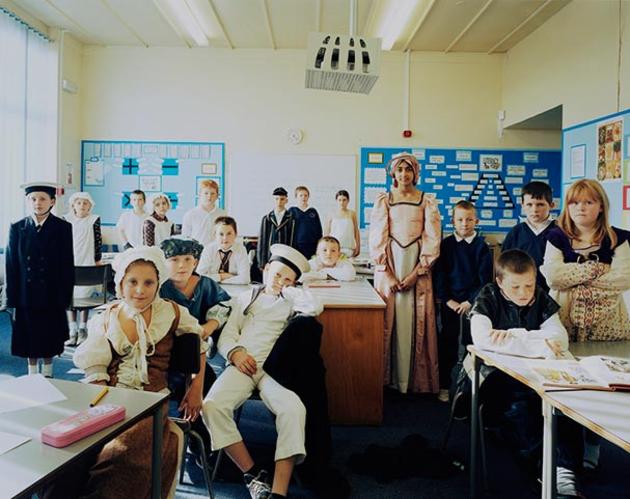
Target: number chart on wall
111	170
491	179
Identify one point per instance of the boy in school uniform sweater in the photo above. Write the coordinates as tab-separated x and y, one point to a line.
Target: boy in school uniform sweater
225	260
308	227
463	268
516	316
531	235
258	318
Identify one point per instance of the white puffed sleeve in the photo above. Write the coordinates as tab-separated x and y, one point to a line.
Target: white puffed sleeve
94	354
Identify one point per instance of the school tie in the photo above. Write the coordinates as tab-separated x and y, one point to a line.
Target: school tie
224	266
38	227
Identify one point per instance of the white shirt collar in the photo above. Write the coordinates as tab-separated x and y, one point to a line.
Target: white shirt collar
279	215
537	230
468	239
42	222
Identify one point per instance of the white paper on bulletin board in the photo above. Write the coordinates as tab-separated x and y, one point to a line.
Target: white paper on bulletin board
252	177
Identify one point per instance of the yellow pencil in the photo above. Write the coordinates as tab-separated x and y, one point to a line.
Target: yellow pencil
100	395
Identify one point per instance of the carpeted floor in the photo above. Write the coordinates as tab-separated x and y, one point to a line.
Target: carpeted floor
404	415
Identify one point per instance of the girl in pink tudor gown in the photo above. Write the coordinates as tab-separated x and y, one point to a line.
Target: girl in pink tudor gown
404	243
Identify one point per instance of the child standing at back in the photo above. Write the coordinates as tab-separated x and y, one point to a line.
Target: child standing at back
157	227
130	223
86	243
40	279
199	222
225	259
462	269
343	225
308	227
531	235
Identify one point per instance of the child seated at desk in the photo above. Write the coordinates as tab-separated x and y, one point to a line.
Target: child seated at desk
516	316
205	300
129	345
329	262
258	318
224	259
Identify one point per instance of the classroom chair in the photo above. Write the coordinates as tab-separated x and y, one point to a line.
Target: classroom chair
185	359
459	392
95	275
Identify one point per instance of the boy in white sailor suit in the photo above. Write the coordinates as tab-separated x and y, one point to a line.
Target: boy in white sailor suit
225	260
258	318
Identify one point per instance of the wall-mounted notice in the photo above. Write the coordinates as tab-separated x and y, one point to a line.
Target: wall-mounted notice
491	179
578	161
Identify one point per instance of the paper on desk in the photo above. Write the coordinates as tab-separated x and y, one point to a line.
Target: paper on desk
27	391
9	441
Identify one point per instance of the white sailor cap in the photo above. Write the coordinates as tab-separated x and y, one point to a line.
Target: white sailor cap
291	257
49	188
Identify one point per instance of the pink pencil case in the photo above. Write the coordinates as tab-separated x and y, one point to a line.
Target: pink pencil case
80	425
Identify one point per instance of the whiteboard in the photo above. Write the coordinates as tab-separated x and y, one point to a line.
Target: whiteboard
252	177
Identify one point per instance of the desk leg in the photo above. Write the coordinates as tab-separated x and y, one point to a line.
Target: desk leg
156	456
474	426
549	451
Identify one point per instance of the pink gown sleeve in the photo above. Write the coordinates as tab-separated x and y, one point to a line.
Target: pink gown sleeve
379	229
432	234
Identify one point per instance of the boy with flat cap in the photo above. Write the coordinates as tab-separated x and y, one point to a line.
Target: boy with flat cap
258	318
277	226
39	279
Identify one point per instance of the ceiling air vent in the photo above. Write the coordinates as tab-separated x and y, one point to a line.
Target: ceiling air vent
342	62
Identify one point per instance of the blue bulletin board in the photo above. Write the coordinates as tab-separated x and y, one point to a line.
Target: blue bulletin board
111	170
491	179
600	149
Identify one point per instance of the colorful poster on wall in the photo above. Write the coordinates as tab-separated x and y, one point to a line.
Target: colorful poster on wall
490	162
609	154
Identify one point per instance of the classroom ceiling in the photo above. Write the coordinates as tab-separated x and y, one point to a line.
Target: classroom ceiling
488	26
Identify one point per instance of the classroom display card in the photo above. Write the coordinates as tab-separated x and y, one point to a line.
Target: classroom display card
491	179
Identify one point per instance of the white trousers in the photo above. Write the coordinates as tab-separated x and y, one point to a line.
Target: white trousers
232	389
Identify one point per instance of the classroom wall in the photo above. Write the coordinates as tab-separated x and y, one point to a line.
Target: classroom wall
70	108
249	98
571	60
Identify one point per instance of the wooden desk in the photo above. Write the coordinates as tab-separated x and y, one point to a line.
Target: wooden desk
605	413
352	349
27	468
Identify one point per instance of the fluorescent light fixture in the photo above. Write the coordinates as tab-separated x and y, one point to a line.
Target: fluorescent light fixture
394	19
181	14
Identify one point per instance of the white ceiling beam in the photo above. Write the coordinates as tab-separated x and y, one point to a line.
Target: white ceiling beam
523	23
370	18
220	23
468	26
172	24
80	28
418	25
265	7
124	23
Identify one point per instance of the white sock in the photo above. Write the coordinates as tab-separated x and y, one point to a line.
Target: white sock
32	368
565	482
73	328
47	370
83	325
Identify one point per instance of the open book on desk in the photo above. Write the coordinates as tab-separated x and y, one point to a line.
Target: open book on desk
590	373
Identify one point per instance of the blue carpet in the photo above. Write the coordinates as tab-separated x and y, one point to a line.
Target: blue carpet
403	415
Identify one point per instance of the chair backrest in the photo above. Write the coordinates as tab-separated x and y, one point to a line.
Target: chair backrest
186	354
95	275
